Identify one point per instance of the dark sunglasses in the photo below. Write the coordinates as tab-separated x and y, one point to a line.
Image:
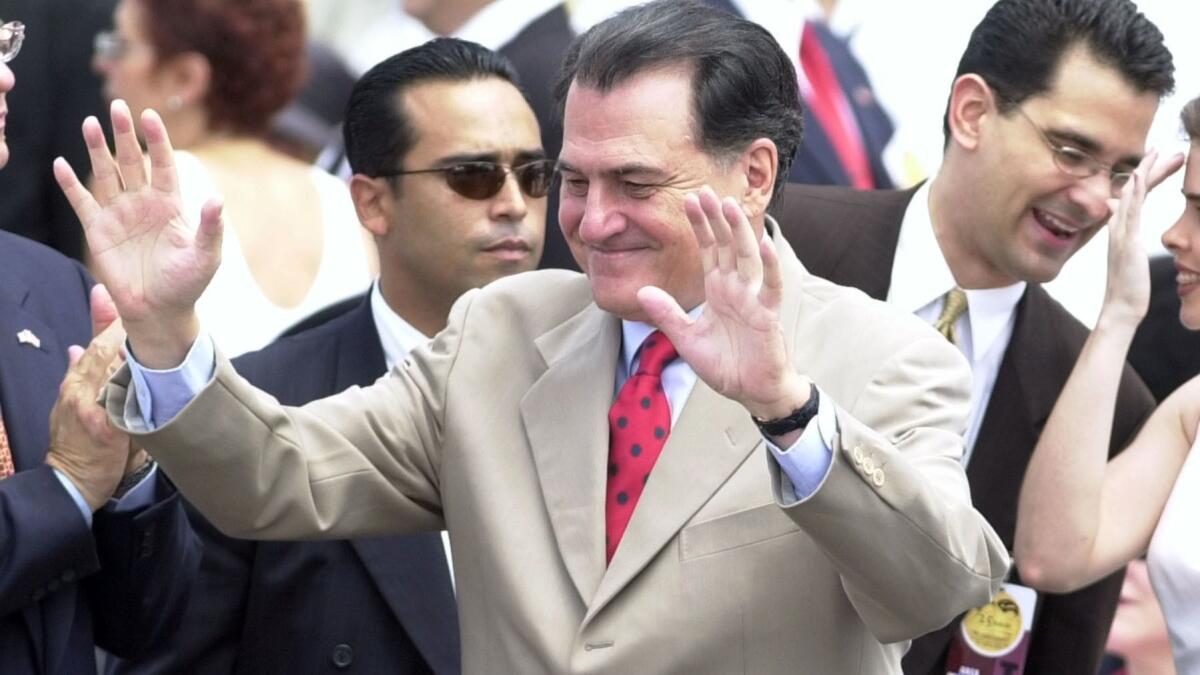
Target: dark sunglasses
482	180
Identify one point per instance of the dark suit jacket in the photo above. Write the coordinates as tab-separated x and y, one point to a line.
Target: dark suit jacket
127	576
850	238
816	162
375	605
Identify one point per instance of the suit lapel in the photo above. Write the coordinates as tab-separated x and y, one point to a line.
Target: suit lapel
1021	401
29	378
565	416
711	439
871	252
708	443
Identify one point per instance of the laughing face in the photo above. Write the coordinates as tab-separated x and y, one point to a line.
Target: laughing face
1031	216
1183	241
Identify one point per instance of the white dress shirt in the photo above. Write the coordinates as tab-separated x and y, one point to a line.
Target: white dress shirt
920	280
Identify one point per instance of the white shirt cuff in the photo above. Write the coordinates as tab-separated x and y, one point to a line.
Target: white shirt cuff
806	463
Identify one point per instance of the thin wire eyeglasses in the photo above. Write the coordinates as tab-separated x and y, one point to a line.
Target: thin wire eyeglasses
1077	163
12	34
109	46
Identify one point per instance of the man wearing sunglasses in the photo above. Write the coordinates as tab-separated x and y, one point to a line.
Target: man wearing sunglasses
450	177
94	544
1041	132
697	458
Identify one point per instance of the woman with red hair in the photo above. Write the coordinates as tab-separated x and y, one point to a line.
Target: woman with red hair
218	71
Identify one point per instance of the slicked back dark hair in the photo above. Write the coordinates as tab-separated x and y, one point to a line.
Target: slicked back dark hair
743	85
377	131
1019	44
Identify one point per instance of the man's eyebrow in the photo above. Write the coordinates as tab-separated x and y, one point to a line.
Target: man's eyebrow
1089	145
467	157
529	155
1191	196
522	156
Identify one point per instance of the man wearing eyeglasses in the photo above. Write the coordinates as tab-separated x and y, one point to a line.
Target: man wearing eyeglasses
697	458
95	548
1041	132
450	178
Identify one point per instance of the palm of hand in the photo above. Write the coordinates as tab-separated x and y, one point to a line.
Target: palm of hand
736	345
143	248
154	262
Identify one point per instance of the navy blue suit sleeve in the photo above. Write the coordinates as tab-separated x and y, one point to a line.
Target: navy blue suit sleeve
45	544
150	558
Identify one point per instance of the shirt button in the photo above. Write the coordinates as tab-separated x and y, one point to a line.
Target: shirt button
343	656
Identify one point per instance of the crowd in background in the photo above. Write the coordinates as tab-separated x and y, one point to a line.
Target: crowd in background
257	107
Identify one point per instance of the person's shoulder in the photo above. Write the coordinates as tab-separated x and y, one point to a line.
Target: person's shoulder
849	323
797	197
28	257
48	274
537	300
1056	325
297	346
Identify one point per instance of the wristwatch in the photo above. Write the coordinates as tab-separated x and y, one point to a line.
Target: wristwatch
130	480
798	419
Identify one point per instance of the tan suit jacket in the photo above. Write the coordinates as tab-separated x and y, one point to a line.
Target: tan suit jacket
498	431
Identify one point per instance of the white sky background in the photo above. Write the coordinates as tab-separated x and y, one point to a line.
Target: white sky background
911	50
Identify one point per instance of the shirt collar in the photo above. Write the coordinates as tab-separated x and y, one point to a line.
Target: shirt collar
921	276
397	336
634	333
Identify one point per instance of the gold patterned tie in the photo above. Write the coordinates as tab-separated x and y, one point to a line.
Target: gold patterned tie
956	304
6	460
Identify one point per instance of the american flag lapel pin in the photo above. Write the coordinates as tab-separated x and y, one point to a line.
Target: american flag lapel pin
26	337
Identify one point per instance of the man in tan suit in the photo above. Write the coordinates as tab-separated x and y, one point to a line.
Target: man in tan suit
819	541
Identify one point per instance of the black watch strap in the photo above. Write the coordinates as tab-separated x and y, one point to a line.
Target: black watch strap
799	418
131	480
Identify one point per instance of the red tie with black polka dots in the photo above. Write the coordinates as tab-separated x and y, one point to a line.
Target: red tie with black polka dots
638	424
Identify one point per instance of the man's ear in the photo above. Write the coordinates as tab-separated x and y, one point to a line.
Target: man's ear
372	199
760	164
188	76
972	103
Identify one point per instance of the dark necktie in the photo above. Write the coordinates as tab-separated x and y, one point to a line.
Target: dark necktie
638	424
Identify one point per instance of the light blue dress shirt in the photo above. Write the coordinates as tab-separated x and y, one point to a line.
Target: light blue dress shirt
159	395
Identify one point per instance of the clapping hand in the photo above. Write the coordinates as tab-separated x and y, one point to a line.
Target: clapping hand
84	445
154	262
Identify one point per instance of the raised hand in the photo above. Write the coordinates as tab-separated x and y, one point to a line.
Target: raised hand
1127	292
736	345
154	262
